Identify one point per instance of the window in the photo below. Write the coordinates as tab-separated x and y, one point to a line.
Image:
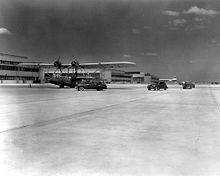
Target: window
16	68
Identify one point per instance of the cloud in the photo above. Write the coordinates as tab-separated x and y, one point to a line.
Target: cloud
174	24
213	41
135	31
192	61
127	56
179	22
150	54
5	31
171	13
198	19
198	24
200	11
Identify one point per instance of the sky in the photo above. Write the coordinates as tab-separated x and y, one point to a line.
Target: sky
163	37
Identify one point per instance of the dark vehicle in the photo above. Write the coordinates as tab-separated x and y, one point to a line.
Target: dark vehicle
188	85
157	86
91	84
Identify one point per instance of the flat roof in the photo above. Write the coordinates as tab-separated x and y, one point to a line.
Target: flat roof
4	54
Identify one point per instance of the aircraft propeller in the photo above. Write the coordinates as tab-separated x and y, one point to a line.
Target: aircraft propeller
58	64
75	65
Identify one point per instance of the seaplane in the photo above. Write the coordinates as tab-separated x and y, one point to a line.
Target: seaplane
71	79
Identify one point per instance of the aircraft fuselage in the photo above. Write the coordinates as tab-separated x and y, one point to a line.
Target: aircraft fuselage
62	81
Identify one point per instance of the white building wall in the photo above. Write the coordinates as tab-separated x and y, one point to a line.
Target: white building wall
107	76
9	75
18	73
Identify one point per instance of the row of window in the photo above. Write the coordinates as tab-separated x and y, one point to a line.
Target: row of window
8	62
16	68
138	79
121	76
5	77
79	74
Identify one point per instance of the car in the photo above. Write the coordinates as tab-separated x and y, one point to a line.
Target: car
91	84
157	86
188	85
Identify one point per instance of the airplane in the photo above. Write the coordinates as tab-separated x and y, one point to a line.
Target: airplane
174	79
71	79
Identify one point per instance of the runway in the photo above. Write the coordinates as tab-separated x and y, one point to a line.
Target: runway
124	130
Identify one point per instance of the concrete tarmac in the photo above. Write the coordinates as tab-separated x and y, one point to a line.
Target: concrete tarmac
124	130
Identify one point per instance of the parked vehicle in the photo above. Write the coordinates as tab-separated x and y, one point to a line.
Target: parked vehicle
188	85
157	86
91	84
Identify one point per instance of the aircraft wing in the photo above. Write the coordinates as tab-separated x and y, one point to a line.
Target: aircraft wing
107	65
100	65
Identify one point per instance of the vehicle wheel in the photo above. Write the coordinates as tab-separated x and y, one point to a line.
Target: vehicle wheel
61	86
149	88
81	89
165	88
158	88
99	88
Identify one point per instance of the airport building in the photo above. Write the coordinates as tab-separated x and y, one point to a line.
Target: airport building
142	77
11	72
109	76
117	76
